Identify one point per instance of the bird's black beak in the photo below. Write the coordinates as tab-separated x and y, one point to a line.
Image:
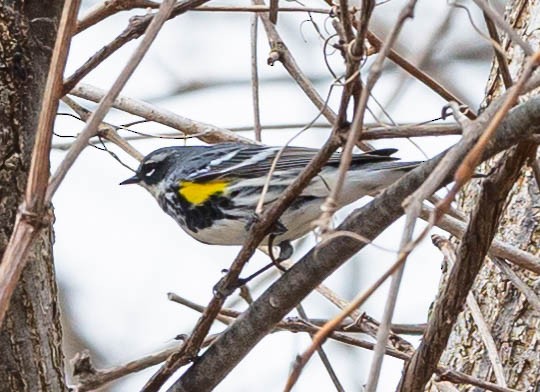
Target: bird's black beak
131	180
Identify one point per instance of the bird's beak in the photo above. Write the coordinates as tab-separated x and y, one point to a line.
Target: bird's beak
131	180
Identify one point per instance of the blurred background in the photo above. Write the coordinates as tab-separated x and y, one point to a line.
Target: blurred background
118	255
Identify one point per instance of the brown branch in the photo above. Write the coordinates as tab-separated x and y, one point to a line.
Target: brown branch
206	132
502	61
32	214
483	329
89	378
504	26
420	75
111	7
369	221
322	354
513	277
498	248
470	257
255	77
273	12
135	29
260	8
105	104
280	52
423	59
466	169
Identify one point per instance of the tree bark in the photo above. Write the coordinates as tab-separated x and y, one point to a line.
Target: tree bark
30	340
513	322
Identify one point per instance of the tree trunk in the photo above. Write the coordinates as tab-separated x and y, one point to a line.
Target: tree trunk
513	322
30	340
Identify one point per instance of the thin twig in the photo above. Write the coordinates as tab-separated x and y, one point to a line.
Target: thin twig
503	25
369	221
136	28
206	132
420	75
255	77
472	250
106	131
329	327
498	248
523	287
372	132
280	52
32	214
111	7
502	61
105	104
322	354
89	378
273	12
424	59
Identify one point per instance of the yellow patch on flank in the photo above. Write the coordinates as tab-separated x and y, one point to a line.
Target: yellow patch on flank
198	193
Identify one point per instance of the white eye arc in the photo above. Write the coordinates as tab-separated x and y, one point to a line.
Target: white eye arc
150	173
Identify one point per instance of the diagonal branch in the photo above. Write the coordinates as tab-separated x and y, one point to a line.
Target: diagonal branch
368	221
31	215
136	28
206	132
470	256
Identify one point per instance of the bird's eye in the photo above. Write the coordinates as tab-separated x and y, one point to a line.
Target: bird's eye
150	172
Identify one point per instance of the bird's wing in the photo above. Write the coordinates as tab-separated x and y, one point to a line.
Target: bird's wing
254	161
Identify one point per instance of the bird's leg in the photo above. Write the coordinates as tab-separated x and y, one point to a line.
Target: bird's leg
285	252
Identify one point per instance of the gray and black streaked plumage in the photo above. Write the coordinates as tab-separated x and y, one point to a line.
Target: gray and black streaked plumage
212	191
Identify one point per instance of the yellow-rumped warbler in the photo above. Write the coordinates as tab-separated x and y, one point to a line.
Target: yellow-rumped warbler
212	191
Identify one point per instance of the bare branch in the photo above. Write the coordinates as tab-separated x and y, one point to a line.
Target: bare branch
503	24
32	215
313	268
105	104
471	253
108	8
483	329
206	132
135	29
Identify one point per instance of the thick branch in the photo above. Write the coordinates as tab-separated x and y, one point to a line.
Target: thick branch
470	256
313	268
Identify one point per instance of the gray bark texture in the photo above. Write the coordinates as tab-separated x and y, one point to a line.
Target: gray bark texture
30	339
514	324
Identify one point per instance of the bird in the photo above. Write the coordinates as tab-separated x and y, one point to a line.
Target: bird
212	191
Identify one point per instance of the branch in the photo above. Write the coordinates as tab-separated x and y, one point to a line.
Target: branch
368	221
498	248
108	8
280	52
206	132
106	102
470	256
483	329
31	216
136	28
